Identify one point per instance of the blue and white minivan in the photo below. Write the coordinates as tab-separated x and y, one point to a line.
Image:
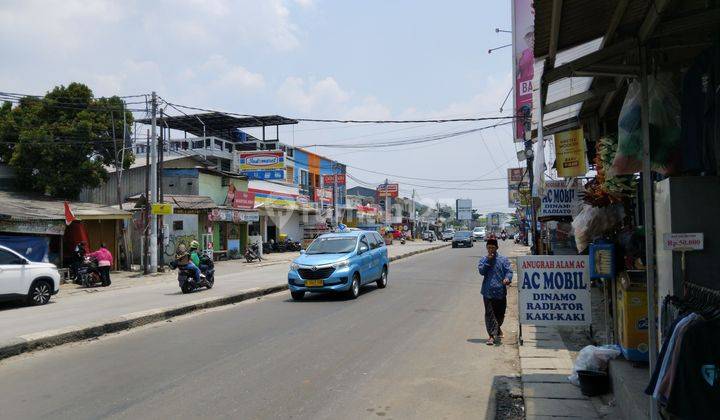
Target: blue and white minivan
340	262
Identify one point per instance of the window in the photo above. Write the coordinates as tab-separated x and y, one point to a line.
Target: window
7	258
290	174
177	225
379	239
304	177
364	242
373	241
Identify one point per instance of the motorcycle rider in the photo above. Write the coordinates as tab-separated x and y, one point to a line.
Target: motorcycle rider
185	261
105	260
197	257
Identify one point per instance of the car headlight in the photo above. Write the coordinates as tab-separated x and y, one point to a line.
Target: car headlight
294	266
341	264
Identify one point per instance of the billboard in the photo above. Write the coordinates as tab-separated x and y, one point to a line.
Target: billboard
554	290
324	195
560	199
523	60
570	159
262	164
388	190
463	209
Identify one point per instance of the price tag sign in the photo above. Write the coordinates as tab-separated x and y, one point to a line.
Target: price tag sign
683	241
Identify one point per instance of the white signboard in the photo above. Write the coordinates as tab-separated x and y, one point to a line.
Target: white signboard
559	200
683	241
464	209
554	290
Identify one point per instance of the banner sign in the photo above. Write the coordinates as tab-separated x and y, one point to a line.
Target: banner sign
330	179
231	215
161	209
324	195
570	151
554	290
518	179
388	190
366	211
244	200
263	164
523	60
463	209
559	199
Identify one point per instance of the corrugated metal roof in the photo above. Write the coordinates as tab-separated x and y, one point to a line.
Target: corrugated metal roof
582	21
20	206
562	88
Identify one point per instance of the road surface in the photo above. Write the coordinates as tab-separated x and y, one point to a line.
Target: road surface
413	350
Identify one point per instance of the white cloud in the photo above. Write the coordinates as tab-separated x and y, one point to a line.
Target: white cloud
305	3
369	109
313	96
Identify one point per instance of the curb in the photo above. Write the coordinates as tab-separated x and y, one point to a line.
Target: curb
47	339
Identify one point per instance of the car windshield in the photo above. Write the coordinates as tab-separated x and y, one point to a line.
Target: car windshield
477	229
332	245
462	234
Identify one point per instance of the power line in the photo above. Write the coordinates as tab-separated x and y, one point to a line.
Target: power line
425	179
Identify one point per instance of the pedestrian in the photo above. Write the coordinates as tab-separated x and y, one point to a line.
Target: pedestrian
497	275
105	260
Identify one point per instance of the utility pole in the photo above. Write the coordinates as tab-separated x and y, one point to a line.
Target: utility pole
412	214
161	198
387	203
530	158
336	202
146	231
153	186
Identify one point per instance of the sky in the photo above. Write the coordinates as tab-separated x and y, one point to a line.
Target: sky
334	59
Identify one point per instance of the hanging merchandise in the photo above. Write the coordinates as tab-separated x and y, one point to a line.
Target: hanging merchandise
664	128
616	186
593	222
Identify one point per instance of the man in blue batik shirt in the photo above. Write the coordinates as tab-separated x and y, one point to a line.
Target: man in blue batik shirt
497	275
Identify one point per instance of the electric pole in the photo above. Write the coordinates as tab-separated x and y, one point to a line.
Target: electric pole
336	202
153	186
412	214
387	204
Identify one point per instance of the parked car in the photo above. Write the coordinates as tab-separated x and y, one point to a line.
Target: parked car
22	279
462	238
478	233
448	234
429	235
340	262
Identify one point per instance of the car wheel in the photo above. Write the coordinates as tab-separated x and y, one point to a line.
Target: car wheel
40	293
354	290
297	295
382	281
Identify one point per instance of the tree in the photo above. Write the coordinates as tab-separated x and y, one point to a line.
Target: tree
59	144
475	215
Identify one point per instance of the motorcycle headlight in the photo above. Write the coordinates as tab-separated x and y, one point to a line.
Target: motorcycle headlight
341	264
294	267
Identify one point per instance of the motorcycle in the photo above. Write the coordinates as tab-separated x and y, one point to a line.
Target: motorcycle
267	247
88	275
291	245
252	253
186	277
503	236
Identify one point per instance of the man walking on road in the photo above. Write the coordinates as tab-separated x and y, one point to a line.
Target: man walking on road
497	273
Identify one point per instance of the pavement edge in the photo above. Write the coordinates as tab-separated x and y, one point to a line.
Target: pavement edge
48	339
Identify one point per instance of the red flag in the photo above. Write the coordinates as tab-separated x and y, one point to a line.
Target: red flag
69	216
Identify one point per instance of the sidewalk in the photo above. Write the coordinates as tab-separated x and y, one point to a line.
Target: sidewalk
76	313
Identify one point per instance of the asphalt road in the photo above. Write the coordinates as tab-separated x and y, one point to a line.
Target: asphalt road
413	350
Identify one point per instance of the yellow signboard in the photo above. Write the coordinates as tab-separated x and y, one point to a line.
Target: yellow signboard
162	209
570	153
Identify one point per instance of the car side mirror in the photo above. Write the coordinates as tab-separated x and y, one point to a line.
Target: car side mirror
363	249
302	251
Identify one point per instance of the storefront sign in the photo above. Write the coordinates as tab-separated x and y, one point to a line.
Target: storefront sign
570	159
388	190
367	211
243	200
554	290
264	164
231	215
523	61
38	227
683	241
161	209
324	195
330	179
559	199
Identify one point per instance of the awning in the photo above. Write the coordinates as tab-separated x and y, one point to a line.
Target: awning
18	206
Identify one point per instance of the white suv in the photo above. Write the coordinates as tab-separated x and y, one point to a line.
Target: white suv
478	233
20	278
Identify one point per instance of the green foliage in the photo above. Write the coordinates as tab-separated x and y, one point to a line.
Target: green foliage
58	144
